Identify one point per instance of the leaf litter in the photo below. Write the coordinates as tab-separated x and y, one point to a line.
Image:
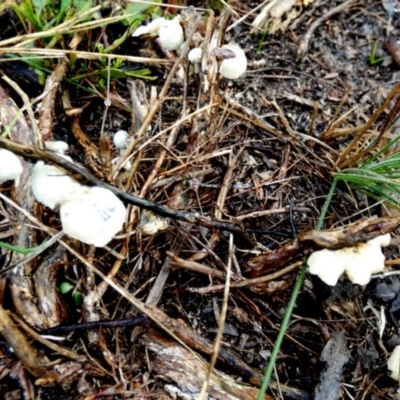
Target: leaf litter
238	169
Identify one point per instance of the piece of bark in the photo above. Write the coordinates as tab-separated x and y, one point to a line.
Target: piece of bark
174	363
31	359
336	355
350	235
21	287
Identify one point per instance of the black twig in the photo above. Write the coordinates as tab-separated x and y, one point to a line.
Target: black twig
84	176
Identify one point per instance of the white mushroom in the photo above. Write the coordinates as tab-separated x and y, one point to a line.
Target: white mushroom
359	262
171	34
121	139
93	217
195	55
393	364
58	146
52	186
327	264
151	28
10	166
233	68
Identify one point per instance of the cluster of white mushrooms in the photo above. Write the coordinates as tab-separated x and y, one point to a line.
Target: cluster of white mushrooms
170	35
92	215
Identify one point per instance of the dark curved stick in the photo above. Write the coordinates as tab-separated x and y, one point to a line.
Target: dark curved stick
84	176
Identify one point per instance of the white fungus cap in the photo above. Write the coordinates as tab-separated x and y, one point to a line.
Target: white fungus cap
393	364
171	33
195	55
121	139
93	217
359	262
52	186
10	166
58	146
233	68
151	28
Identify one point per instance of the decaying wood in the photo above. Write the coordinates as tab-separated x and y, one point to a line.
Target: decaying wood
174	363
21	285
305	243
32	360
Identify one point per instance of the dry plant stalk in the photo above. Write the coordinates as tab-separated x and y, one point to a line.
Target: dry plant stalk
306	242
345	160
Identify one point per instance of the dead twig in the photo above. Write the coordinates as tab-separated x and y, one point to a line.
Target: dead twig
46	111
221	323
305	243
81	174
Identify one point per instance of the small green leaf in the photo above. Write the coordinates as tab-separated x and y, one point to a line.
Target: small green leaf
65	287
78	299
137	12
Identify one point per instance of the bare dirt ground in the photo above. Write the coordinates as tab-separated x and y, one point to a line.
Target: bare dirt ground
240	169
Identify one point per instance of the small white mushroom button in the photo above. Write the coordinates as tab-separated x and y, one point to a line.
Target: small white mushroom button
171	34
121	139
195	55
233	68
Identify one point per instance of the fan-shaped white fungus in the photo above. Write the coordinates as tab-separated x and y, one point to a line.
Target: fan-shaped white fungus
151	223
57	146
393	364
359	262
171	33
93	217
233	68
10	166
121	139
52	186
195	55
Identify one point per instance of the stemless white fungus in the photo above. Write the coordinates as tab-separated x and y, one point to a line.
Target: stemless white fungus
52	186
93	217
151	223
359	262
10	166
